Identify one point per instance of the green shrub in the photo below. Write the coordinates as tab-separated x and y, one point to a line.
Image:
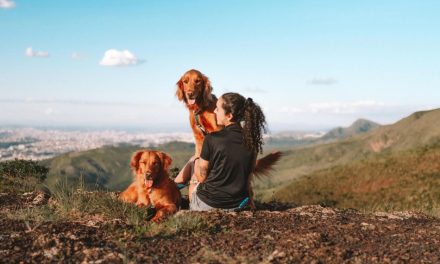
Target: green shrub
23	169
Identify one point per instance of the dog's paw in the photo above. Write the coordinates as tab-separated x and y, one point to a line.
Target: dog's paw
157	219
140	205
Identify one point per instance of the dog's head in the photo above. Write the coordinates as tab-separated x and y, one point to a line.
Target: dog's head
194	89
150	165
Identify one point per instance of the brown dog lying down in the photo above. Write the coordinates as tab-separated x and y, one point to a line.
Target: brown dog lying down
152	184
195	90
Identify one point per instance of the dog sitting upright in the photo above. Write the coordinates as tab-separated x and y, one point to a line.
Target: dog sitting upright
195	90
152	184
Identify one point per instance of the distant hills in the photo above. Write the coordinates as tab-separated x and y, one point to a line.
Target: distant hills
360	126
417	130
107	167
391	167
347	167
285	140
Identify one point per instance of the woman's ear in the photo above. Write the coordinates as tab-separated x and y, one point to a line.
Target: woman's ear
134	163
229	116
166	160
179	92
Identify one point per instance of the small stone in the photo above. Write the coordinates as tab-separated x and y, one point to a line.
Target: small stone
276	254
14	235
367	226
269	237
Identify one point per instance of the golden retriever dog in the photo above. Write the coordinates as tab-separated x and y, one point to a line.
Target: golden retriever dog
152	184
195	91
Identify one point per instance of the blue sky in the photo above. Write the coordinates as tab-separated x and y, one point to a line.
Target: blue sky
309	64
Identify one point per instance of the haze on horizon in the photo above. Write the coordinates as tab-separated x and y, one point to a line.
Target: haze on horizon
310	64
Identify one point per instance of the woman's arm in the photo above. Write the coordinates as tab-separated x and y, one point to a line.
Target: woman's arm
201	170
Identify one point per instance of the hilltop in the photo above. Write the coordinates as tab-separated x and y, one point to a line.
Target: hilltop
95	227
360	126
72	224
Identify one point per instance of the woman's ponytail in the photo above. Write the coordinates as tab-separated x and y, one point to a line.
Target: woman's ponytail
250	113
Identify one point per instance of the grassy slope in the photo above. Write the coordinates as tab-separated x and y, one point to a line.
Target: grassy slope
106	167
419	129
400	180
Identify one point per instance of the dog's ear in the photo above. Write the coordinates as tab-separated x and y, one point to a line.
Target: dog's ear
165	159
179	92
207	90
134	163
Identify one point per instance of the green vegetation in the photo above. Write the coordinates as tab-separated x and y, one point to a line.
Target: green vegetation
392	167
108	167
417	130
21	175
75	203
386	182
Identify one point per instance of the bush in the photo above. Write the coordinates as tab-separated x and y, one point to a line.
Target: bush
23	169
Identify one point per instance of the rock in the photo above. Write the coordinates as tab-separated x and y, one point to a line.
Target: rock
276	255
367	226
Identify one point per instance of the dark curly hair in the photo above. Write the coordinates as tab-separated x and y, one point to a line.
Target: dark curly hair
247	111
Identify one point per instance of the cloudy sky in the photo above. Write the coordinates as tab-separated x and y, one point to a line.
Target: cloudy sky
309	64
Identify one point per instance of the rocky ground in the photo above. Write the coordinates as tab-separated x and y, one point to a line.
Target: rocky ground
272	234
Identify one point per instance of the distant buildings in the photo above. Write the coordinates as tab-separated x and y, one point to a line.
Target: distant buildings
38	144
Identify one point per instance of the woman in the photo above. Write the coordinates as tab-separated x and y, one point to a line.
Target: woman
228	156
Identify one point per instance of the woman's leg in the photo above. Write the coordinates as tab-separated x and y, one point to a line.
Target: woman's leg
193	182
185	173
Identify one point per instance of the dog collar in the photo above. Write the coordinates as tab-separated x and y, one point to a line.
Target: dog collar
198	123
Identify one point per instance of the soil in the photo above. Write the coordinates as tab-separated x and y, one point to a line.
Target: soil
272	234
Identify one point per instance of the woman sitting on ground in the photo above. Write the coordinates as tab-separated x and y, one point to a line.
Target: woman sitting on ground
221	173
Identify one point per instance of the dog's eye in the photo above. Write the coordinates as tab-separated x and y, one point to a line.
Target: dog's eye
185	81
197	81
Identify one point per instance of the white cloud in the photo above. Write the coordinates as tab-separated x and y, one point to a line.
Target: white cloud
6	4
311	116
323	81
333	113
48	111
30	100
31	53
114	57
354	107
54	112
77	56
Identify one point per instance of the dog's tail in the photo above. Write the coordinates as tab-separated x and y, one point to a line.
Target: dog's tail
265	164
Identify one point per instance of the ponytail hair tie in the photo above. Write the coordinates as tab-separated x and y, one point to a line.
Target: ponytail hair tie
248	101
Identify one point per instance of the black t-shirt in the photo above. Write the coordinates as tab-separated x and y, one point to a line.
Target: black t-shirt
230	164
